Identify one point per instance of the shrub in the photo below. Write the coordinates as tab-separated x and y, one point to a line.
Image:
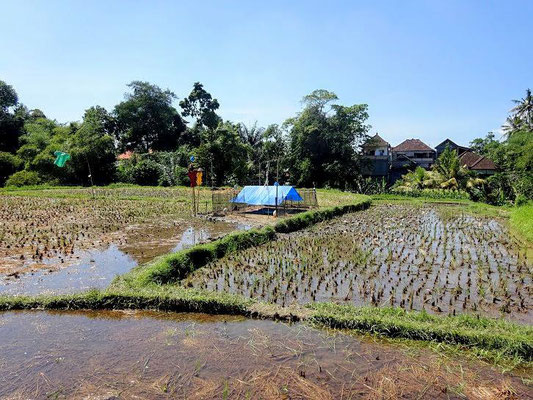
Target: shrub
9	164
147	173
24	178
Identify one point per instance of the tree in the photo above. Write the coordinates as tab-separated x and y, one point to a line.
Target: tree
93	149
324	143
319	98
485	146
223	155
524	110
252	138
11	118
9	164
202	106
146	120
448	165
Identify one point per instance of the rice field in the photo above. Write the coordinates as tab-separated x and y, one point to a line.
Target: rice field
49	229
430	257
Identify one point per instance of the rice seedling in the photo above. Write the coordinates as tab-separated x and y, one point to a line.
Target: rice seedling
428	258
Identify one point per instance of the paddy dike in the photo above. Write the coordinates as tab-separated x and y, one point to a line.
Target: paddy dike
117	354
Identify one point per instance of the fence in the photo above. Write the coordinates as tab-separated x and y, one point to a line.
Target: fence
221	200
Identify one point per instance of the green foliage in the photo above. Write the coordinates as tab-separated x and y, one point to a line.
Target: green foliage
93	148
448	165
446	180
146	172
178	265
160	168
323	142
522	220
9	164
24	178
11	118
146	120
201	105
521	117
223	155
514	156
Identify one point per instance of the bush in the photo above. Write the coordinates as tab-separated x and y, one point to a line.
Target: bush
9	164
147	172
24	178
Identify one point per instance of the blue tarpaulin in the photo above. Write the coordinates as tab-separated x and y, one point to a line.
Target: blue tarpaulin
266	195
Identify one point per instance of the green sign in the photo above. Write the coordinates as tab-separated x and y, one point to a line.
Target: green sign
61	158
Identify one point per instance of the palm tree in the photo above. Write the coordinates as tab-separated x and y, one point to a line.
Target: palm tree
512	124
251	135
524	109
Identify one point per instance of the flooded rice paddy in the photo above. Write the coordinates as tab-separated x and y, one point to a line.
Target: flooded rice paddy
431	257
149	355
68	244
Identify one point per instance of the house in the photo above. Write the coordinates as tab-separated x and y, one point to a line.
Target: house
416	151
408	155
478	163
377	157
454	146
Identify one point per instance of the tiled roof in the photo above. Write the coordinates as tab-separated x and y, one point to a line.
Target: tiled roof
476	161
453	145
448	141
376	141
412	145
125	156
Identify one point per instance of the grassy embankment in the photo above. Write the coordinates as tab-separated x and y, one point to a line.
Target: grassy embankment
522	221
151	287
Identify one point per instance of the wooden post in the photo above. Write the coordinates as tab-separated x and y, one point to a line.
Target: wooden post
90	175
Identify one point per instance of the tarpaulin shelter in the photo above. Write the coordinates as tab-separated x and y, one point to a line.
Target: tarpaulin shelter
266	195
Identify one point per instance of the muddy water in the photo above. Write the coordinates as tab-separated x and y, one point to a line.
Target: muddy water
148	355
96	268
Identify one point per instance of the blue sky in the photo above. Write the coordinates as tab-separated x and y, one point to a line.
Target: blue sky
427	69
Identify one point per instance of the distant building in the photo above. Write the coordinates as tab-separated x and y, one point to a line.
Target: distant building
478	163
408	155
453	146
377	157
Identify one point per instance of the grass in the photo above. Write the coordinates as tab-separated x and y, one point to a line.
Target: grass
334	197
522	221
176	266
500	337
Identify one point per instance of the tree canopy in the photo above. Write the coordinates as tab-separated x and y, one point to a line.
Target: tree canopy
146	119
323	143
145	140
